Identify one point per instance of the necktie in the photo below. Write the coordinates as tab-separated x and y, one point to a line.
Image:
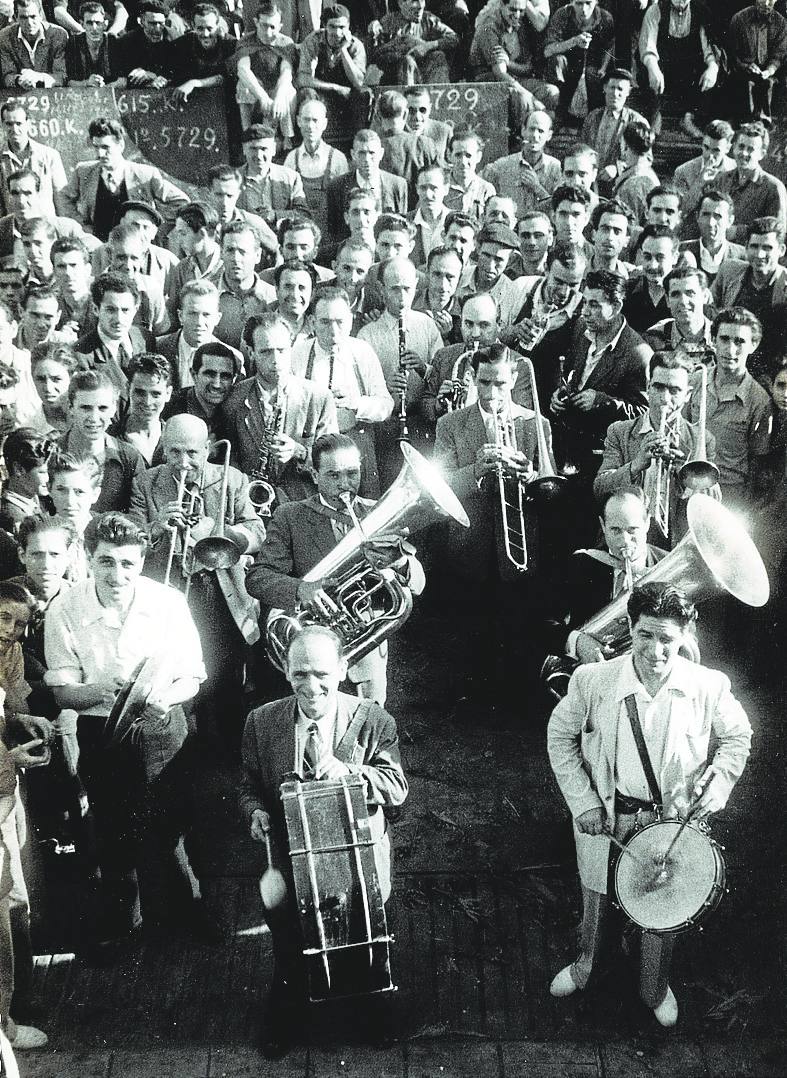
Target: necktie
312	753
110	181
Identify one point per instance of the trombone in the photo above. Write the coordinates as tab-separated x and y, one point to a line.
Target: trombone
698	475
547	484
511	497
216	551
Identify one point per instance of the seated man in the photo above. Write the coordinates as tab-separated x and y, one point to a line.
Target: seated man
430	213
37	235
22	197
268	190
694	176
715	217
648	451
348	369
242	292
536	240
51	367
759	283
504	49
679	52
352	265
32	51
329	736
93	57
144	50
224	194
412	45
73	277
603	127
529	177
274	417
754	192
222	610
580	42
332	61
438	298
302	533
157	264
758	49
215	368
572	205
198	316
295	282
140	788
38	316
688	327
265	62
494	247
299	241
98	189
128	252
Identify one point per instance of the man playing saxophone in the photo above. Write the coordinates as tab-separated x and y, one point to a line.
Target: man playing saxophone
305	412
649	450
302	533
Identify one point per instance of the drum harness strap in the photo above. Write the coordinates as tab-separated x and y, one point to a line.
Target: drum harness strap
630	805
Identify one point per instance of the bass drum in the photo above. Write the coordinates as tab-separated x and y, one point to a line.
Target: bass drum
694	884
337	889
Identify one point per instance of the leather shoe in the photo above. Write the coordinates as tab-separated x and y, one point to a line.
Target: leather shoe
667	1011
563	984
28	1037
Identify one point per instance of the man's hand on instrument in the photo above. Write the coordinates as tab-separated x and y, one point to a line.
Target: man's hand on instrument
284	448
586	400
38	727
260	825
707	793
398	383
413	362
312	593
486	460
515	463
559	401
29	754
592	822
647	452
171	516
589	649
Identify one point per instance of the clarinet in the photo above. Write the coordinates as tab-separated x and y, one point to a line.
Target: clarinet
404	433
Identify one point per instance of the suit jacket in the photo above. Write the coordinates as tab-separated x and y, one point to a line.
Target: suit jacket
592	125
582	741
459	436
406	155
309	413
50	56
730	279
284	191
156	487
95	356
144	183
393	194
369	747
619	377
734	251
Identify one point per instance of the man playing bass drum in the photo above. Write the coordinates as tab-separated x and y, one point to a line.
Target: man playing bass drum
631	736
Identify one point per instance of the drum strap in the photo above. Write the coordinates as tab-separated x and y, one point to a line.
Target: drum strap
642	748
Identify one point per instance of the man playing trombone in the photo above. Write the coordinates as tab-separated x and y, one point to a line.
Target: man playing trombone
179	503
648	451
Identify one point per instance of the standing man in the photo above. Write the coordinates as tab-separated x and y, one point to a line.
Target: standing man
215	367
22	152
268	190
619	746
274	417
495	245
349	737
528	177
97	190
646	297
200	254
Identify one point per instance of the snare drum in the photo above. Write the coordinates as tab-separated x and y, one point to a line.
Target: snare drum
695	880
339	898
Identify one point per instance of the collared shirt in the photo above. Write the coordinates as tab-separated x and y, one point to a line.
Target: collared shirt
679	27
421	336
31	46
667	335
47	165
489	419
739	417
186	352
710	262
655	714
471	199
595	353
87	643
330	730
431	231
121	464
28	506
238	307
354	372
339	527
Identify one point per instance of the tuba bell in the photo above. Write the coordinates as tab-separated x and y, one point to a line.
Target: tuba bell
368	604
716	554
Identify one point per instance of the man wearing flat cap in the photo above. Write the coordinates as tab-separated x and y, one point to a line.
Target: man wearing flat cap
494	246
159	262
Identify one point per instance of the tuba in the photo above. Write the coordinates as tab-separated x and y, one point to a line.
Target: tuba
262	493
717	553
368	604
698	475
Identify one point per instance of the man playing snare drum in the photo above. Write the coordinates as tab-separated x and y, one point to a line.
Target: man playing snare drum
670	706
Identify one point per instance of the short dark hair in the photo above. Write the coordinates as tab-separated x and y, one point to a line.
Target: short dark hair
300	221
103	127
676	360
64	244
115	529
638	136
327	291
9	376
199	215
393	222
719	129
34	225
330	443
89	382
715	195
38	523
495	353
682	273
237	228
761	226
224	172
25	448
613	285
737	316
38	291
55	351
661	600
152	363
612	205
570	192
63	462
254	132
266	320
11	591
463	220
219	349
23	174
569	255
755	129
295	265
443	252
656	232
334	11
466	131
664	189
361	192
117	283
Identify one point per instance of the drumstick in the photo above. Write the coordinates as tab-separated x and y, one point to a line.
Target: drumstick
705	781
624	849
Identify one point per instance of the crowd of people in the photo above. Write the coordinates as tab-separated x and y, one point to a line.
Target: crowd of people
201	397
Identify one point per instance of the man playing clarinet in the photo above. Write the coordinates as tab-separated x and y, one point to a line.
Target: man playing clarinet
630	740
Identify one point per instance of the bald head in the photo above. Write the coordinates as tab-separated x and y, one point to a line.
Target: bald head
480	320
186	443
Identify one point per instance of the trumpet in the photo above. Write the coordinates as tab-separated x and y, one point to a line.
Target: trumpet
547	484
216	551
510	498
462	383
193	508
262	493
698	475
660	484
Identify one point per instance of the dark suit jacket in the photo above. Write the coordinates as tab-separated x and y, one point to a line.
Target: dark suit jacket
309	413
619	377
370	748
94	355
144	183
459	436
734	250
393	195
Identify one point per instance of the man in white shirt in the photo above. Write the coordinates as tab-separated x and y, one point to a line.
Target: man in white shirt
96	634
20	151
199	315
611	783
715	217
349	369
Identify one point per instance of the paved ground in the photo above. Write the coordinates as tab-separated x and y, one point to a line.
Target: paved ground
484	913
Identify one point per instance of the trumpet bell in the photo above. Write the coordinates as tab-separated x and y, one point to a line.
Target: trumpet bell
698	475
216	552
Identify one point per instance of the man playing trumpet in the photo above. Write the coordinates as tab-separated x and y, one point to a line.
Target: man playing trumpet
179	503
649	450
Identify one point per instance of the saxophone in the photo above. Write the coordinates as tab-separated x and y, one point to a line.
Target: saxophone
262	493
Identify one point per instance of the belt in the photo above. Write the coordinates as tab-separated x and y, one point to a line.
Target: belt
629	806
